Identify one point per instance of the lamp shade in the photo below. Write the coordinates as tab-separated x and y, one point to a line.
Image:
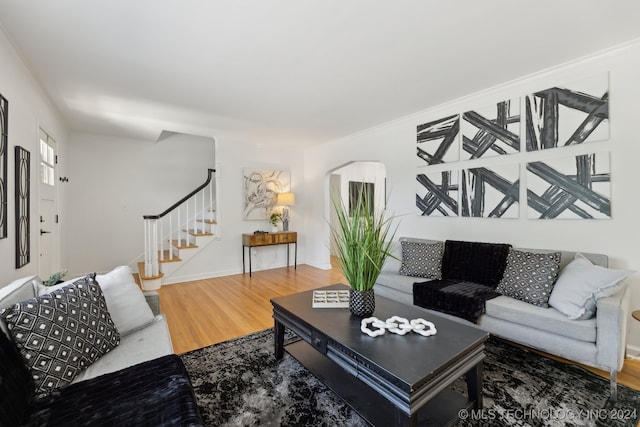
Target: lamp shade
285	199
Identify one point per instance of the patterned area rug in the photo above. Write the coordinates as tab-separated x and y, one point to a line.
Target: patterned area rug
238	383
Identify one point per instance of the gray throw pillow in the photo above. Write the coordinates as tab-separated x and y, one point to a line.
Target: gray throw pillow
62	333
581	284
530	276
422	259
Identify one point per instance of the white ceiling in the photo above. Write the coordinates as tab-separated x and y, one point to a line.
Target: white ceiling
291	71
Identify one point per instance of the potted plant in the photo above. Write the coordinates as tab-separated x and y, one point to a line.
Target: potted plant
362	238
273	219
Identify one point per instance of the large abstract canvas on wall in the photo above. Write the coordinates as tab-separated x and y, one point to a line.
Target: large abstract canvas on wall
438	141
569	114
4	146
490	192
570	187
491	131
437	193
260	189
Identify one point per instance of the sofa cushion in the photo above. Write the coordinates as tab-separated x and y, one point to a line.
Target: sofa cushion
476	262
144	344
396	281
546	319
530	277
126	302
581	284
16	291
62	333
422	259
16	384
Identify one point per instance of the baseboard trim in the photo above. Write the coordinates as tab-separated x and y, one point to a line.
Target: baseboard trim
633	352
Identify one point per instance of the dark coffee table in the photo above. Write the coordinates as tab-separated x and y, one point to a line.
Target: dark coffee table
390	379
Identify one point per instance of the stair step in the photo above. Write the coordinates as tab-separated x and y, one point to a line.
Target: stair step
183	244
143	277
167	256
208	221
199	232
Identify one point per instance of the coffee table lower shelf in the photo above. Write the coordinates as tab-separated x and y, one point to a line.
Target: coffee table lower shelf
442	410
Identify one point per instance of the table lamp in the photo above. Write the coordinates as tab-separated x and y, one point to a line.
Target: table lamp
285	199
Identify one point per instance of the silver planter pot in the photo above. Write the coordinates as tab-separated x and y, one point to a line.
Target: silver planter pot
362	303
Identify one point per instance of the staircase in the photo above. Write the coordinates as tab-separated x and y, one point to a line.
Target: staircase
178	234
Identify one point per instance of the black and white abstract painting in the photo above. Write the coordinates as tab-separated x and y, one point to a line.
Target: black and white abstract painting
491	131
260	189
439	141
490	192
437	193
568	115
570	187
23	207
4	145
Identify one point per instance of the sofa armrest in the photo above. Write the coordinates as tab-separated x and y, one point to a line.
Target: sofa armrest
612	318
153	299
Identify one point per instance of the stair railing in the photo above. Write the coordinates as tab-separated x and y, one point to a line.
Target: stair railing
159	229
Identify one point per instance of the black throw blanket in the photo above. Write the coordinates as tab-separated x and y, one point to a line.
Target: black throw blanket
461	299
154	393
476	262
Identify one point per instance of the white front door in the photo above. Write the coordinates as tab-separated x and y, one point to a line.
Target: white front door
47	206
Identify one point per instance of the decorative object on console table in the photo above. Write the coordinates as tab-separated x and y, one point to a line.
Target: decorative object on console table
273	219
286	200
363	242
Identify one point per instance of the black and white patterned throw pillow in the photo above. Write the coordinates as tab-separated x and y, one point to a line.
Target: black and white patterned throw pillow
422	259
62	333
530	277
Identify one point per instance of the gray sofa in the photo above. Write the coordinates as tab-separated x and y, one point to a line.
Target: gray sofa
136	346
598	342
94	350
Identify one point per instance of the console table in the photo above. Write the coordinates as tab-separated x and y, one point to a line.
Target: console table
269	239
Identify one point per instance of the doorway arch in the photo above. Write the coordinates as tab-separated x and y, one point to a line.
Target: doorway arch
342	181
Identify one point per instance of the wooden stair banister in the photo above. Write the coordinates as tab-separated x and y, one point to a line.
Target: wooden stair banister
164	234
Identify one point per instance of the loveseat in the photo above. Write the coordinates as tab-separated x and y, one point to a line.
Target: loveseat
595	300
90	351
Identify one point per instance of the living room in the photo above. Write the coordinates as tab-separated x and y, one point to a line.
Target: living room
101	205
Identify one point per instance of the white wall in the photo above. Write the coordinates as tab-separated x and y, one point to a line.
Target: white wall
113	182
224	257
29	109
395	144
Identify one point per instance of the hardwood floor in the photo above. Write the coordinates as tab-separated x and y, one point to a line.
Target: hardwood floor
209	311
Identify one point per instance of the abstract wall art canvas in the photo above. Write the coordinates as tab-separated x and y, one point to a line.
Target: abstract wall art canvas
4	146
260	189
569	114
437	193
490	192
570	187
439	141
23	208
491	131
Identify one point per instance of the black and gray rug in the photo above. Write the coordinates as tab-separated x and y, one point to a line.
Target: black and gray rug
239	383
